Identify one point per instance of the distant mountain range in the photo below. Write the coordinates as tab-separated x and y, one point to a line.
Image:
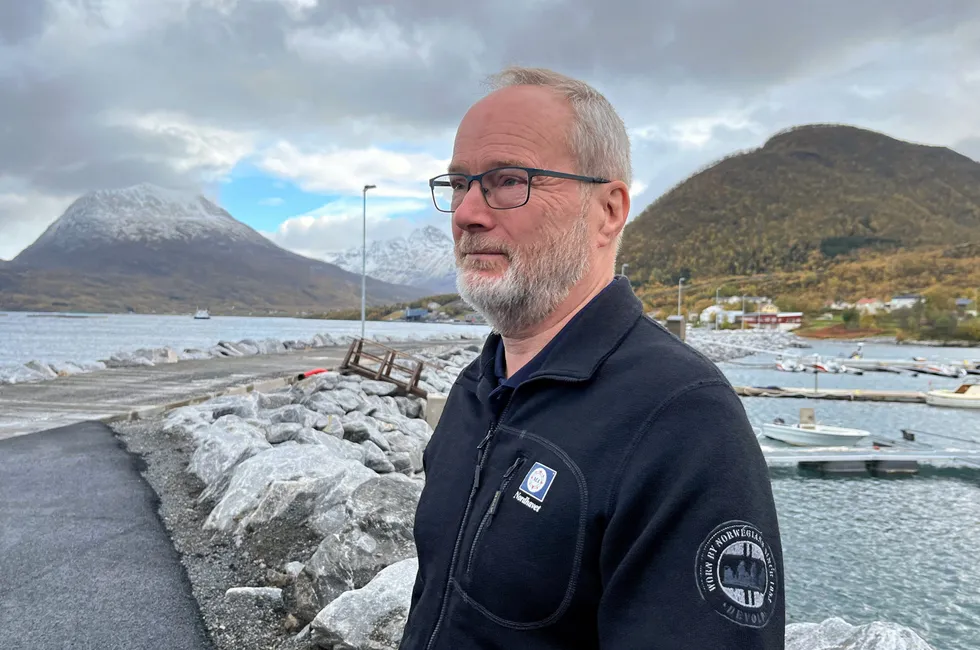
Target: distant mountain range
424	259
149	249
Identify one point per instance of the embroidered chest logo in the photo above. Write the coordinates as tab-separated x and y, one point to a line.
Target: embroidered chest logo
736	573
535	485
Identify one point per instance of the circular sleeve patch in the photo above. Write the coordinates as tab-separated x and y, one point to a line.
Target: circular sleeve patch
736	573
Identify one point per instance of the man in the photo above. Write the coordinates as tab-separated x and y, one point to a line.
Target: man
593	482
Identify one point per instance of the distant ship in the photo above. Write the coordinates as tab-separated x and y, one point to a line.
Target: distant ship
201	314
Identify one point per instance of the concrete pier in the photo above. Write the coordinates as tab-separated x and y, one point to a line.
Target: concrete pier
145	390
849	394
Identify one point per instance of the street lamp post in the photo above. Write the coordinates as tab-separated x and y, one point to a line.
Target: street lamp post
364	256
680	284
717	300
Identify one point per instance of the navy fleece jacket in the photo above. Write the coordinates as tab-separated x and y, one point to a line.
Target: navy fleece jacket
614	497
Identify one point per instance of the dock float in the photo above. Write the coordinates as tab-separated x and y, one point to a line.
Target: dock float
871	462
848	394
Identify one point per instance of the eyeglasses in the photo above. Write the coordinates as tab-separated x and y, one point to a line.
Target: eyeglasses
503	188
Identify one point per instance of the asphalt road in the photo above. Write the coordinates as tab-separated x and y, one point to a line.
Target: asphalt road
85	561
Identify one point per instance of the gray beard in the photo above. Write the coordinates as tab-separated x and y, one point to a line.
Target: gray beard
537	280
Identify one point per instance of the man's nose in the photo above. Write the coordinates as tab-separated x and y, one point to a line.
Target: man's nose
473	213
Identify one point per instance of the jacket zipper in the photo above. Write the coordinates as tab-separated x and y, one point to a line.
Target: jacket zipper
481	453
488	516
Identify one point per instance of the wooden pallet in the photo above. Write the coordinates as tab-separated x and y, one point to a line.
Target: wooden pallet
383	360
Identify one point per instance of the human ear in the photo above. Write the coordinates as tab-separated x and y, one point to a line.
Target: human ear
615	203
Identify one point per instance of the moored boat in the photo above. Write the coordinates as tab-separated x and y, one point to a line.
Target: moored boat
202	314
966	396
814	435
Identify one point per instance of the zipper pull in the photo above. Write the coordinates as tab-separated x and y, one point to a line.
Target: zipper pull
503	486
486	439
513	468
496	500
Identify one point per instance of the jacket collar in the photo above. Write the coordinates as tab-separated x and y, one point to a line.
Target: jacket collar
582	345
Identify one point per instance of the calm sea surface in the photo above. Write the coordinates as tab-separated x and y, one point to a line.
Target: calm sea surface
45	337
905	550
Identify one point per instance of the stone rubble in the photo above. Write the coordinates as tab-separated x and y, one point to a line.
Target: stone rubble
836	634
35	371
338	458
728	345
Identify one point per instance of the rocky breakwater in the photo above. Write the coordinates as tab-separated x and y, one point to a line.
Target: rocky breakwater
293	512
35	371
728	345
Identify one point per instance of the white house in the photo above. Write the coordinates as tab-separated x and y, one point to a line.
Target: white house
870	306
718	314
904	301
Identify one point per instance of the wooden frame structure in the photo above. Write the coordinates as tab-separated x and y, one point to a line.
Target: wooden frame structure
387	359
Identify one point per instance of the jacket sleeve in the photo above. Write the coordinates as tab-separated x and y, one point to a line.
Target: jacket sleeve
691	557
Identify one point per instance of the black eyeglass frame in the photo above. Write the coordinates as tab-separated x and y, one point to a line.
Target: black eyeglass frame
531	173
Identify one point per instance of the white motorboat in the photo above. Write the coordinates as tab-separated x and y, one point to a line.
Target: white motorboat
202	314
967	396
788	365
805	434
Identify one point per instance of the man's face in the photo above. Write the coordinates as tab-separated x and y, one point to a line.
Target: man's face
516	265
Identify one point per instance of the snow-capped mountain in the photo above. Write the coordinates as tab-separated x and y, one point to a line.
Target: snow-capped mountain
144	213
424	259
162	249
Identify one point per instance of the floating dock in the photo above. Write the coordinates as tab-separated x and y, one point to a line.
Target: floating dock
861	461
848	394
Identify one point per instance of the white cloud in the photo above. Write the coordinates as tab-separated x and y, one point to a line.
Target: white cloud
376	44
210	152
348	170
26	214
337	225
272	201
696	132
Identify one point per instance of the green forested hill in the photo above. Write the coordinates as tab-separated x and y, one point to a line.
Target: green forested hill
811	196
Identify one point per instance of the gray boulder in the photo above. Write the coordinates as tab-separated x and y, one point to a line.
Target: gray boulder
372	617
380	388
289	461
220	448
378	532
837	634
359	427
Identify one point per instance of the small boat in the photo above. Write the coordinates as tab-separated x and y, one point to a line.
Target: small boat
202	314
807	433
788	365
967	396
829	366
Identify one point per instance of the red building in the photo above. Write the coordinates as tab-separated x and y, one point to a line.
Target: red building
784	320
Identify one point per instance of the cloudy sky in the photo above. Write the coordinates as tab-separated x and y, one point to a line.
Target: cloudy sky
283	109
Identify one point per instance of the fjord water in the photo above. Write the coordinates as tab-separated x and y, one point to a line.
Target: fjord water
89	337
902	550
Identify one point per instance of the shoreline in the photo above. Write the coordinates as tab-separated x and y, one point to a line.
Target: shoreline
37	371
34	371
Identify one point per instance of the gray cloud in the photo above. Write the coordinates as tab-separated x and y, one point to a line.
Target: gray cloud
103	94
20	21
969	147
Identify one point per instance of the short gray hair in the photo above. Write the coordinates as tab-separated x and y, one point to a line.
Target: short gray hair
598	139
